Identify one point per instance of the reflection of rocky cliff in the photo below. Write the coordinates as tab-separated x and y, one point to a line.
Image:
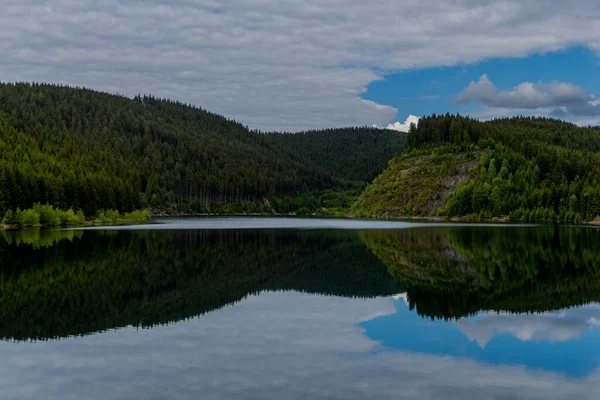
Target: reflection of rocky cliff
60	283
456	271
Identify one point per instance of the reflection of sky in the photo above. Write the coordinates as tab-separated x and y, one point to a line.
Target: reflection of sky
564	341
280	346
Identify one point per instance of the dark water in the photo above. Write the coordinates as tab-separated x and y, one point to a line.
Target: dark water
295	310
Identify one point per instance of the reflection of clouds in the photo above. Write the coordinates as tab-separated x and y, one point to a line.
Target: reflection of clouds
553	326
273	346
403	296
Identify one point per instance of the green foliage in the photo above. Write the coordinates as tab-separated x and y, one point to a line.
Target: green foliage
43	215
81	149
47	215
9	218
112	215
355	154
529	170
137	215
415	184
28	217
334	201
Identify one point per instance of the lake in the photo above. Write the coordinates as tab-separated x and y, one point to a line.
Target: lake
281	308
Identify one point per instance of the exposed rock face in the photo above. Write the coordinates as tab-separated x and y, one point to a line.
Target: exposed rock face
416	186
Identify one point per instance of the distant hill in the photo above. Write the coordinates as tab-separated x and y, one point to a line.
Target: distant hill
74	147
525	169
355	154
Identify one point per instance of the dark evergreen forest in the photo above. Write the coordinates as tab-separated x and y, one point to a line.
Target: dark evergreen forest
82	149
353	154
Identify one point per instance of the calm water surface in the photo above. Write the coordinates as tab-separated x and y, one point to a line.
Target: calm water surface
255	308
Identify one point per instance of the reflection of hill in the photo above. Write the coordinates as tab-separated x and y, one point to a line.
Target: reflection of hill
105	280
456	271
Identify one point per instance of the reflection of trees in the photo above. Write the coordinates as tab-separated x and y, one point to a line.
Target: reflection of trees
97	281
452	272
62	283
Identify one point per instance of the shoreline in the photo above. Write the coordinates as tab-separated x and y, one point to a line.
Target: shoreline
4	227
466	220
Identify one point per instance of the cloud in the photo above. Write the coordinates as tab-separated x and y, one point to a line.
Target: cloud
553	326
588	122
403	296
404	127
273	64
581	109
563	99
525	95
272	346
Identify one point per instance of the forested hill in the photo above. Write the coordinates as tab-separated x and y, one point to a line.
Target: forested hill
356	154
74	147
79	148
525	169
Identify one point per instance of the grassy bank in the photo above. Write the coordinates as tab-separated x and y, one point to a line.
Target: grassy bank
46	216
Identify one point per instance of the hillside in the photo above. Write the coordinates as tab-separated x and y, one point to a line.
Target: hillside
415	185
82	149
525	169
354	154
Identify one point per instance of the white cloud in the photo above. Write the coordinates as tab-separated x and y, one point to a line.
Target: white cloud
403	296
526	95
559	99
587	122
272	346
404	127
552	326
273	64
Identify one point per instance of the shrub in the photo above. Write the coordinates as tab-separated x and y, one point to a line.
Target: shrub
101	216
137	215
9	218
79	217
29	217
43	215
69	217
48	215
113	215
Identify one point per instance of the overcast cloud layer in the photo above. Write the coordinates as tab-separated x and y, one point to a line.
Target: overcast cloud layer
273	64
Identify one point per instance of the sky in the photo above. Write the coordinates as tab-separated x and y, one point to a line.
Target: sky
296	65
